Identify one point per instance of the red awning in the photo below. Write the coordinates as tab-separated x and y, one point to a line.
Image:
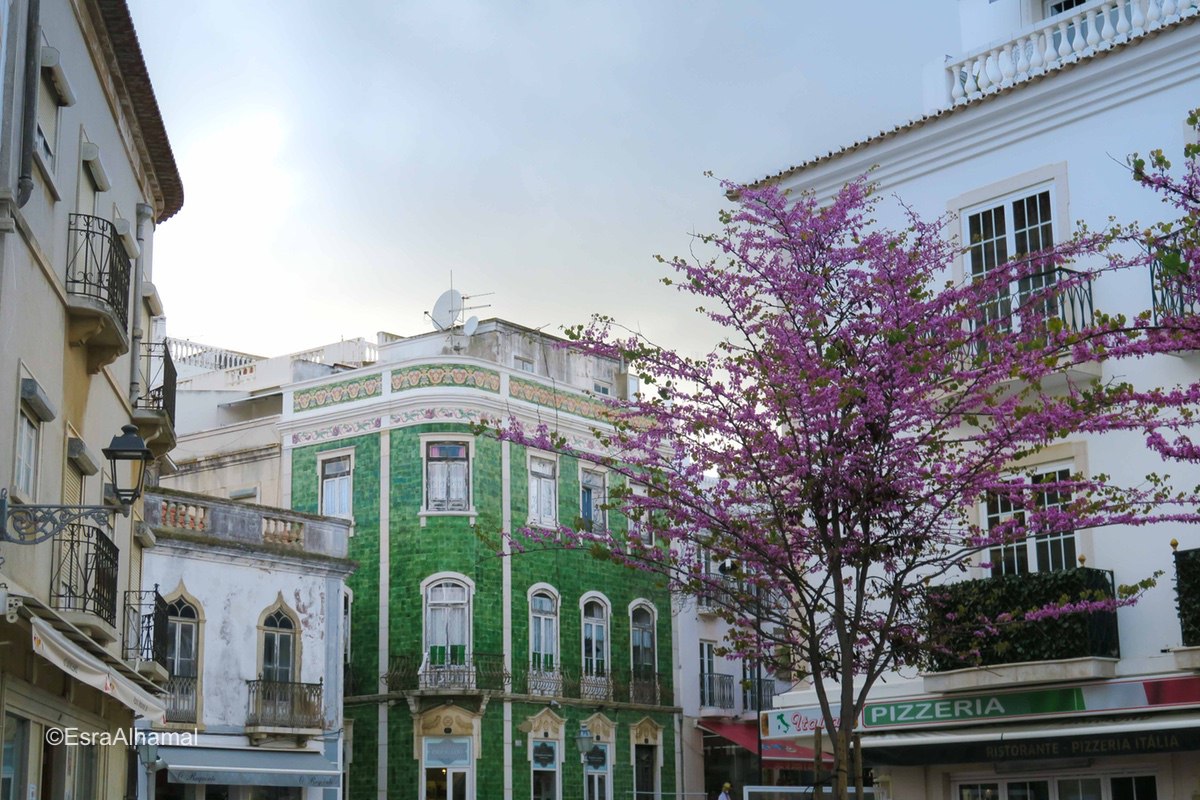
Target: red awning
745	735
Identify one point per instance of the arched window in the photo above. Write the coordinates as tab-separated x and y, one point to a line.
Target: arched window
181	638
279	648
447	622
595	639
642	640
543	632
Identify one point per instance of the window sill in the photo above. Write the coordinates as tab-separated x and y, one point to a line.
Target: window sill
470	513
47	175
550	526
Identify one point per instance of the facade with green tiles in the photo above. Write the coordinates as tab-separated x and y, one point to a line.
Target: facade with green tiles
473	665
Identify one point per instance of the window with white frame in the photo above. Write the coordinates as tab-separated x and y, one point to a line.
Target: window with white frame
336	485
523	364
447	622
639	522
595	639
447	476
641	638
1053	8
596	770
28	447
1071	787
543	755
543	491
592	500
1044	552
543	632
1001	229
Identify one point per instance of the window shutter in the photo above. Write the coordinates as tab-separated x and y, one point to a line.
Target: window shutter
436	485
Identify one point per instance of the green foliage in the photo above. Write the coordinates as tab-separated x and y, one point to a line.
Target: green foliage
983	622
1187	595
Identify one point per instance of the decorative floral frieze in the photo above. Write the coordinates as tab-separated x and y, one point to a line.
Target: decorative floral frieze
331	394
436	414
427	375
542	395
338	431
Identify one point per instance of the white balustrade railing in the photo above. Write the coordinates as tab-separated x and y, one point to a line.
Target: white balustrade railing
1078	33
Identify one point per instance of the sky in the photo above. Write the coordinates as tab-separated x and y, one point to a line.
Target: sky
344	162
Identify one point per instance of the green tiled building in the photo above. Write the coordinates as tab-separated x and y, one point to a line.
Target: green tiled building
471	668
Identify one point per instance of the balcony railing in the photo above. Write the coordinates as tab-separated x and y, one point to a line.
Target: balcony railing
1057	294
84	577
962	616
1076	34
750	693
97	264
145	632
181	698
1187	595
644	686
276	704
1169	296
158	379
716	690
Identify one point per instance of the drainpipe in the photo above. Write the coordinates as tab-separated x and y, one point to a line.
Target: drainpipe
145	213
33	60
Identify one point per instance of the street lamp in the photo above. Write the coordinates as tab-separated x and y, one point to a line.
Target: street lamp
584	740
34	524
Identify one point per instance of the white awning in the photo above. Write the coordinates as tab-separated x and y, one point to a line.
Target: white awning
249	767
86	668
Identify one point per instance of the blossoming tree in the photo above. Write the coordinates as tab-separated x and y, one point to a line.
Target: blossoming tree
821	466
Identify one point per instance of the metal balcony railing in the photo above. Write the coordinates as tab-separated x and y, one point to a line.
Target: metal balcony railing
181	698
1170	297
145	634
644	686
84	577
158	379
716	690
276	704
750	693
97	264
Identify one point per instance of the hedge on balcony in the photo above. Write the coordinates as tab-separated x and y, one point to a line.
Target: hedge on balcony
982	622
1187	595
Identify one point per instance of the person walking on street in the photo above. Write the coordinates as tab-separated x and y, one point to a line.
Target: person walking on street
725	792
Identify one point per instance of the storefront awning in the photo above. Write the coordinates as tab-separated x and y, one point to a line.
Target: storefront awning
72	659
745	735
244	767
1139	735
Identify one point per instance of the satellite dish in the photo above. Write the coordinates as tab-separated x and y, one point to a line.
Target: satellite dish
470	325
446	309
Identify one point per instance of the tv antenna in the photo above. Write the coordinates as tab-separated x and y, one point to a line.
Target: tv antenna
449	313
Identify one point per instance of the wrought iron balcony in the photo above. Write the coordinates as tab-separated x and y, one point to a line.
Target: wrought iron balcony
295	706
182	691
145	631
84	577
97	282
158	379
448	668
750	693
716	690
1170	297
544	681
644	686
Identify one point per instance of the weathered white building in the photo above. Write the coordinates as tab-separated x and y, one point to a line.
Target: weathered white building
86	174
255	599
1027	130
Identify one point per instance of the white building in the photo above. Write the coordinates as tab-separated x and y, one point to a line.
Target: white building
1029	127
255	649
86	174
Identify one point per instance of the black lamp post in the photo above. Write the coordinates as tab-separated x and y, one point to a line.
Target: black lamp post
34	524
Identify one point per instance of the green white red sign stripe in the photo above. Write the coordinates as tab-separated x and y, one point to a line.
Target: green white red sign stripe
960	709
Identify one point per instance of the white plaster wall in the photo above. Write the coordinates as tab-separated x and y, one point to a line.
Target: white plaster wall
233	595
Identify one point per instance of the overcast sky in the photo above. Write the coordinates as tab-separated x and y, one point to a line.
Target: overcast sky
341	160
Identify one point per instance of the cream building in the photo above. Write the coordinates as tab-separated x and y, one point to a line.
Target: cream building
86	174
